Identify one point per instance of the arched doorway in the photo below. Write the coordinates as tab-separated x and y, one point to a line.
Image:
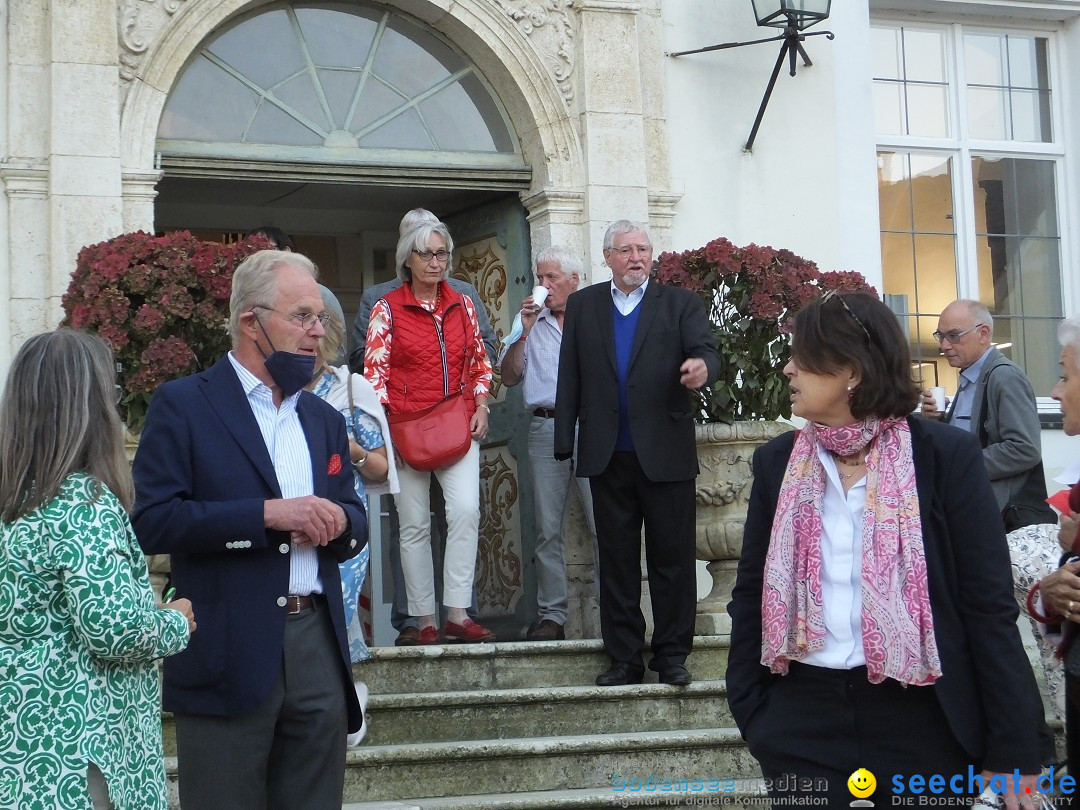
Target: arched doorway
330	120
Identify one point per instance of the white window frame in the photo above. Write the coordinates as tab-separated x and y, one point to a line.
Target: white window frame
960	148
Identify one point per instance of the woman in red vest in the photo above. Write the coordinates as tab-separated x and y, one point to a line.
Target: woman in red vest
424	348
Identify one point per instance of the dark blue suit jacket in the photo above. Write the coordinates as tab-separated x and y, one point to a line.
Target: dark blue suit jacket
987	690
202	473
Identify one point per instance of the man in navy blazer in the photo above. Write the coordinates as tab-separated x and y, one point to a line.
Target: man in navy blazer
631	353
244	479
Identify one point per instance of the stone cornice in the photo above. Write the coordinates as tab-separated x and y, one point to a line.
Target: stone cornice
24	180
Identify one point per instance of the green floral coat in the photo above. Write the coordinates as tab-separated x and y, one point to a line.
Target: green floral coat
79	631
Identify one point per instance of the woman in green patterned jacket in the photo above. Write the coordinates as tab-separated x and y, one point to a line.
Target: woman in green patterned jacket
80	711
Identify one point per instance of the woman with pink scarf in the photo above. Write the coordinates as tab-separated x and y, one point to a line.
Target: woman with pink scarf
873	622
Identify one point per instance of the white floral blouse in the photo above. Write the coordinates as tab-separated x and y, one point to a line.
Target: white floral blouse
79	631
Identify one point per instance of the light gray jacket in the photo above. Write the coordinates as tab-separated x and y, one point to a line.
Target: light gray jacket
1011	422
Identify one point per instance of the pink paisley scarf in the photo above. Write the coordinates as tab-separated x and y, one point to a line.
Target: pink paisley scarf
897	625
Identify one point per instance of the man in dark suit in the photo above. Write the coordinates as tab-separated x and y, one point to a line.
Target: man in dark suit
243	478
632	351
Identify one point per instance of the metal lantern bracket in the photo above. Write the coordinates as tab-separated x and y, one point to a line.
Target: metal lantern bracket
793	39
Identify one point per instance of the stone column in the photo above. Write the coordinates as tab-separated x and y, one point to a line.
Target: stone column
84	134
611	122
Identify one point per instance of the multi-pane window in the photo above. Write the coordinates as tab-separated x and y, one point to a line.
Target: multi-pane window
968	176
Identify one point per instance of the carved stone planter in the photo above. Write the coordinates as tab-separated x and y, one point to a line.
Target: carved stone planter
723	493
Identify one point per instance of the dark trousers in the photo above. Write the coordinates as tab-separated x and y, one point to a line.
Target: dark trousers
818	726
289	753
1072	724
624	500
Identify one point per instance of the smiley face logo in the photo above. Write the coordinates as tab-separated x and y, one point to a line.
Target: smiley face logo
861	783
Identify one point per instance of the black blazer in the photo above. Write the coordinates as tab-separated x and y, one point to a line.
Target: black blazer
987	689
202	473
671	328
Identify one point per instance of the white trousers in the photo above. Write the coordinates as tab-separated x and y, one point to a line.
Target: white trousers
461	488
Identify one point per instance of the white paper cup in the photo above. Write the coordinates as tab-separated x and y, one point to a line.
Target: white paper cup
938	393
539	295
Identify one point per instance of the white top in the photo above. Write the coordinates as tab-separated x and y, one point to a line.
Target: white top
289	453
627	302
841	570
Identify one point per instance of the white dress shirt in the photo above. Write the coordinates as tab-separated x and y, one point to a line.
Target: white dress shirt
288	449
627	302
841	570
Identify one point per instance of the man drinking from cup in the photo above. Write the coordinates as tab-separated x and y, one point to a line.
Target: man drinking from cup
533	358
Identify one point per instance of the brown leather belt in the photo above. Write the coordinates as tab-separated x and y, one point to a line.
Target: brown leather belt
295	604
544	413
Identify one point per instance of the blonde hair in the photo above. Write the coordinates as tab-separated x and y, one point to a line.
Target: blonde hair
255	283
58	416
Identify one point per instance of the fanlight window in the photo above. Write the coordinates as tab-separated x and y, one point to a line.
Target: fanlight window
333	76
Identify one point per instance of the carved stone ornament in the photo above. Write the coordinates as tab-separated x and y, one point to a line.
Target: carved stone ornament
140	23
549	25
498	558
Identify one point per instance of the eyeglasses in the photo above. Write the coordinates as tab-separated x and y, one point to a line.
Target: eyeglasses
955	334
306	320
626	250
427	255
830	295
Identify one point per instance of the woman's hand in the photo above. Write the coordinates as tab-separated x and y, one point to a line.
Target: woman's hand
183	607
478	425
1061	592
1067	527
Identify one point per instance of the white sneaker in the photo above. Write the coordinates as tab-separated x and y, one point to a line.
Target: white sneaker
356	738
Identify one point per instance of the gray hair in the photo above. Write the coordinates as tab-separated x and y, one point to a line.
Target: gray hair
978	312
621	227
1068	334
416	238
332	343
418	216
59	416
569	261
255	283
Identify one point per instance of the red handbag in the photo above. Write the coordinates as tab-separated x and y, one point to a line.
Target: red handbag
434	437
437	436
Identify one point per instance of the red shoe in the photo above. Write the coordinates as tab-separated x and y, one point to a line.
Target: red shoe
428	635
470	632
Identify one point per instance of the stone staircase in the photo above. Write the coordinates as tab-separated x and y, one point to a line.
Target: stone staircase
521	725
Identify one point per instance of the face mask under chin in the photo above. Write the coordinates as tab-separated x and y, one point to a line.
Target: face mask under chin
290	370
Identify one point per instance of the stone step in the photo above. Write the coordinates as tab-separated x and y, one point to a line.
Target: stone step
484	767
737	794
536	764
508	713
511	665
568	710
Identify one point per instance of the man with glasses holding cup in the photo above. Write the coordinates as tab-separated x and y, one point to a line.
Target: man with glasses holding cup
996	402
531	357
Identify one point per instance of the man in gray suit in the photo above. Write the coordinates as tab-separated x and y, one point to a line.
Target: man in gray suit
407	627
994	400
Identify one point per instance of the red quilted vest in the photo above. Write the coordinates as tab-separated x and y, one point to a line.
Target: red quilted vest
426	361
